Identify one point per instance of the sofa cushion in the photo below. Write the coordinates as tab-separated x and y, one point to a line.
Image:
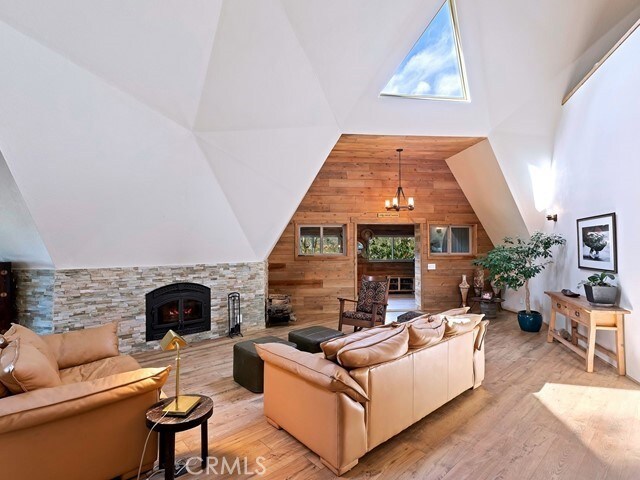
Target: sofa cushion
24	368
4	391
84	346
426	332
98	369
31	409
384	345
32	338
311	368
457	324
330	348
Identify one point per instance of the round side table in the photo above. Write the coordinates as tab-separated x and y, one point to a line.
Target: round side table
168	426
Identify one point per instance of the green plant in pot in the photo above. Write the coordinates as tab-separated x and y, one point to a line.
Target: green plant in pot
599	290
515	263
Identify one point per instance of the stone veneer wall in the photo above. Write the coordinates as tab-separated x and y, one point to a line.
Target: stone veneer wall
54	301
34	299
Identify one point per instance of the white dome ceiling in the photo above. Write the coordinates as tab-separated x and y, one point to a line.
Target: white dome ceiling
152	133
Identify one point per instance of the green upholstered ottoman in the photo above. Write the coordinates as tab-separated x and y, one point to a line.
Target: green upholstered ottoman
309	339
248	367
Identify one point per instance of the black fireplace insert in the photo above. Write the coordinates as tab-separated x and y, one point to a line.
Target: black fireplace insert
182	307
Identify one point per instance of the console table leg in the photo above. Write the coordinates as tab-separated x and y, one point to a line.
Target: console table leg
552	326
622	369
591	347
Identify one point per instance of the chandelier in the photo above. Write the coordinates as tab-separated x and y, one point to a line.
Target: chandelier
394	204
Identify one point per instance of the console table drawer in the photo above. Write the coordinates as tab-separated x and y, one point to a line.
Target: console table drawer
575	313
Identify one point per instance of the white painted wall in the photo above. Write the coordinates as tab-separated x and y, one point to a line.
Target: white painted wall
479	175
597	170
20	241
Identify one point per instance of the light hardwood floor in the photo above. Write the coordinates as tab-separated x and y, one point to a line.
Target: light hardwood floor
538	415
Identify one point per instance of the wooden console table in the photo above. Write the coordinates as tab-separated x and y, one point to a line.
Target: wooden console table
578	311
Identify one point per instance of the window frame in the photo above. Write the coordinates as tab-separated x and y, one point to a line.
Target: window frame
395	260
321	226
473	239
466	97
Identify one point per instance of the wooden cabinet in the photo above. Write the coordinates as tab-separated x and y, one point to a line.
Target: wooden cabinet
401	285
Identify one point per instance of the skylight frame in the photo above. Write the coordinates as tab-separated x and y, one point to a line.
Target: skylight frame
459	58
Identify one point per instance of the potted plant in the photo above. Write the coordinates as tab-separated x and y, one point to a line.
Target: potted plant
515	263
598	289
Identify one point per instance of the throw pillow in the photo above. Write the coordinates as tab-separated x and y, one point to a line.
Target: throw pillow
30	337
24	368
385	345
458	324
427	332
84	346
330	348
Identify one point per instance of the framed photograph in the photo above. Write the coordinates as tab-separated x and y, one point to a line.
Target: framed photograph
597	240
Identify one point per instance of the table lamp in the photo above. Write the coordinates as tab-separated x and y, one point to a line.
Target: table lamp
183	404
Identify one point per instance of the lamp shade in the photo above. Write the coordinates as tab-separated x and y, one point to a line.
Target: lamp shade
171	340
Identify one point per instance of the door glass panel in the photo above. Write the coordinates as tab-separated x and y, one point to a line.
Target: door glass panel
192	310
169	313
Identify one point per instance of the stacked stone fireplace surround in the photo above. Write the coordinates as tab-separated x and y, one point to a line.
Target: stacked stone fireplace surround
54	301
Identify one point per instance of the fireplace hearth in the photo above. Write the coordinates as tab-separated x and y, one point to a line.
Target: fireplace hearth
182	307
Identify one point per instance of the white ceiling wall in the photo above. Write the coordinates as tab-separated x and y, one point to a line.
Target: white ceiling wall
146	133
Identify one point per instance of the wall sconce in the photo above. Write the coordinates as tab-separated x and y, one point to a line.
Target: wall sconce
553	218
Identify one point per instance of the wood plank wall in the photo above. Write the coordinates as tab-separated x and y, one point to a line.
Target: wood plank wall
359	174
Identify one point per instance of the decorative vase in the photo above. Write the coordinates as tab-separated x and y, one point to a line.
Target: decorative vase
602	296
530	322
478	281
464	290
496	289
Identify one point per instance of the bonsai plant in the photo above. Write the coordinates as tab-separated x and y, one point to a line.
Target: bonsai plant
598	289
515	263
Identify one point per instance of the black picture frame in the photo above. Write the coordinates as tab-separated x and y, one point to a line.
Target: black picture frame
590	255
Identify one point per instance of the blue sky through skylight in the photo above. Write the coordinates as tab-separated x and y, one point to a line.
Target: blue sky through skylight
432	67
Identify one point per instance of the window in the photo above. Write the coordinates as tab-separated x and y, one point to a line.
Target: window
321	240
392	249
434	67
451	239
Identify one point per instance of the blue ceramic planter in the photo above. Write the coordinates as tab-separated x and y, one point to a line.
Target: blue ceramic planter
530	322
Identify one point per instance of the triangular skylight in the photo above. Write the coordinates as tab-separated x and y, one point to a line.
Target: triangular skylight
433	68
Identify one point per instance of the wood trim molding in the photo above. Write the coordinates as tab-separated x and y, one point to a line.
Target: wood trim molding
598	64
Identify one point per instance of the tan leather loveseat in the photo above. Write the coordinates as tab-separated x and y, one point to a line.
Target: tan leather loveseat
72	408
341	413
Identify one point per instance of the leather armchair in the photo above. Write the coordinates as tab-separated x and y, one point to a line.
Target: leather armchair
92	426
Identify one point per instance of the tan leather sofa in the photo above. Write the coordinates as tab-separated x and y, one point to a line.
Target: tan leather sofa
91	425
342	414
